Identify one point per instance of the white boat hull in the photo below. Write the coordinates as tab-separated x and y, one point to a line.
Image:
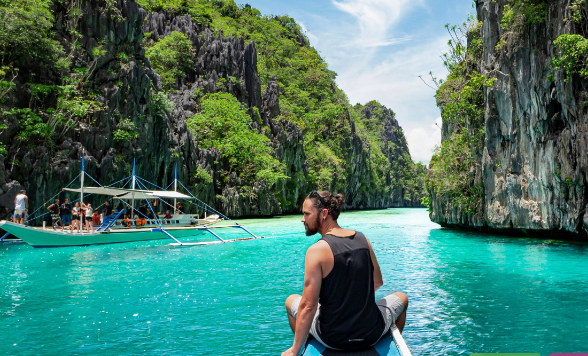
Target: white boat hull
39	237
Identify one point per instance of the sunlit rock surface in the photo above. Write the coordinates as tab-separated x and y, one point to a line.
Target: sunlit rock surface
535	155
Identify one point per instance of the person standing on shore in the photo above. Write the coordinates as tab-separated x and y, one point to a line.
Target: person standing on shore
21	205
64	211
341	275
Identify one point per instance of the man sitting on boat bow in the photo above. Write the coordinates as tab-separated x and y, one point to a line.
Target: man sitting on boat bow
341	275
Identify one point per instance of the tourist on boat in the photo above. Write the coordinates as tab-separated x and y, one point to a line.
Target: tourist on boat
88	210
341	275
21	204
167	215
55	218
126	221
142	211
156	204
141	220
96	218
107	210
75	218
179	207
119	207
64	212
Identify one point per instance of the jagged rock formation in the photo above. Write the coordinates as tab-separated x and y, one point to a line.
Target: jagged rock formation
534	159
397	191
128	88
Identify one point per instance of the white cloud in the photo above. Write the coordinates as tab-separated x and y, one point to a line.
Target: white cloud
379	58
397	75
393	81
385	43
375	17
422	142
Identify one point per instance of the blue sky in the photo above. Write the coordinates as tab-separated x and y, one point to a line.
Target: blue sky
378	49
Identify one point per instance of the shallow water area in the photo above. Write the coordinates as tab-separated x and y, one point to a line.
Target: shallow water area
468	292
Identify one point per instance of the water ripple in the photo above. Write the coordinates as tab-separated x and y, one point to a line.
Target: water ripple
468	292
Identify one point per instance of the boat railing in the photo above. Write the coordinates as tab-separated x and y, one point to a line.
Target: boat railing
109	220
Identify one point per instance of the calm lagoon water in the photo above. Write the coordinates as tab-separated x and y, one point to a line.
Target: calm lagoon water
469	292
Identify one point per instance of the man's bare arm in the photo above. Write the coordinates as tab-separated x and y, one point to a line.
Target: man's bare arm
313	278
378	281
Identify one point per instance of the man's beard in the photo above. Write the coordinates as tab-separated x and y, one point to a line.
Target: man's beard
314	229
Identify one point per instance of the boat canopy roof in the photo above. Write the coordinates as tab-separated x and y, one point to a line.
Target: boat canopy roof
128	193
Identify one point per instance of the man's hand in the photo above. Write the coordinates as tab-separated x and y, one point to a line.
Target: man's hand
289	352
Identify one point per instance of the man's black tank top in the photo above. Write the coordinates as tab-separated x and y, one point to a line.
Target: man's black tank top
349	318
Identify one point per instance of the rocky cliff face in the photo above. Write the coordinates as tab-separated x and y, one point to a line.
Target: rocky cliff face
396	190
131	89
534	160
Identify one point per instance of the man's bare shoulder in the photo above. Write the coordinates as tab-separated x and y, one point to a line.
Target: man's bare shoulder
318	249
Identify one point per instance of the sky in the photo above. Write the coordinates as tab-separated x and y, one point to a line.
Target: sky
378	48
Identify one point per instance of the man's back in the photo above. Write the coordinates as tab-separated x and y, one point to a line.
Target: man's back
348	315
341	272
20	201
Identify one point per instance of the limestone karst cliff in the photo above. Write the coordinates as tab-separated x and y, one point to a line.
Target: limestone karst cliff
98	91
528	174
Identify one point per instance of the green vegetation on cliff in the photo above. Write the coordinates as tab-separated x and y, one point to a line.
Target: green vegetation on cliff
73	79
391	169
309	97
26	36
520	13
572	49
223	123
171	58
455	165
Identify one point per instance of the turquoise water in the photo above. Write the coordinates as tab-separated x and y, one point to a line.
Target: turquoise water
469	292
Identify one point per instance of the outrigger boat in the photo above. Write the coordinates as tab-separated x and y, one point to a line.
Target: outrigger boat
114	229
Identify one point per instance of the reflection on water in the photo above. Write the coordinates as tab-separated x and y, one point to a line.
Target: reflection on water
468	292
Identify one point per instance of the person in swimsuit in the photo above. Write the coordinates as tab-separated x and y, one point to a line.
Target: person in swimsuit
342	273
64	212
21	205
88	209
55	218
75	218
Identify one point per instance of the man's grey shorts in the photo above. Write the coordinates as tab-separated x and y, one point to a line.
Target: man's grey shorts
390	306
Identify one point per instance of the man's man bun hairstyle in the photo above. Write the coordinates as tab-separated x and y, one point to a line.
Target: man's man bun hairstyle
333	203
